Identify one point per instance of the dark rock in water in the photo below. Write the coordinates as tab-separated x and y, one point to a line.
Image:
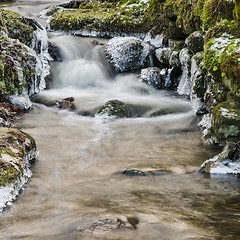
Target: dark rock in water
55	52
65	103
110	225
137	172
195	42
127	53
152	76
114	108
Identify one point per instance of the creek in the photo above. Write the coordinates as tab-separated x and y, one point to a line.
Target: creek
77	180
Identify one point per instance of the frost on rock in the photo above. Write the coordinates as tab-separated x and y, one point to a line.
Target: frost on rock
127	53
163	55
152	76
185	84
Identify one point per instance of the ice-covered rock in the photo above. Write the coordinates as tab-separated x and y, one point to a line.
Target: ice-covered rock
185	84
126	53
152	76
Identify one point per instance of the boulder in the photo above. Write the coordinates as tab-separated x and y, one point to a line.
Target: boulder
152	76
195	42
126	53
115	109
163	55
226	122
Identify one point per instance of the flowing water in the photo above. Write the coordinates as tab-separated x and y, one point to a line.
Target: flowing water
77	181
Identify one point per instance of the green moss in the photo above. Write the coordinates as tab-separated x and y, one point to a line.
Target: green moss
225	26
215	10
230	67
8	175
226	122
17	67
16	28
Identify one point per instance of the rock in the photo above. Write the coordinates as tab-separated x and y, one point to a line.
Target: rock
195	42
152	76
176	45
226	122
126	53
66	103
174	60
17	149
137	172
111	225
226	162
163	55
114	108
55	52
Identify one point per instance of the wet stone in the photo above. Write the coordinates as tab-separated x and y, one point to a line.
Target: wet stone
108	225
66	103
137	172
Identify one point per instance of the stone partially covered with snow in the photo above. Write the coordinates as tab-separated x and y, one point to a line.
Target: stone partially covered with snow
127	53
152	76
226	162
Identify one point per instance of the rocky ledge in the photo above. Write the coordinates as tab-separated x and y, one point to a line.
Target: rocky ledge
23	67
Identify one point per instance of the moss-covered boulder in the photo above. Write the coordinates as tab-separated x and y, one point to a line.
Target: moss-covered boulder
195	42
16	150
126	53
16	26
107	17
226	122
18	68
115	109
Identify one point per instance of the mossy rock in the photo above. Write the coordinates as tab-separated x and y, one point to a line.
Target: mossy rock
225	26
230	66
226	122
106	17
195	42
15	146
17	68
215	10
114	108
16	27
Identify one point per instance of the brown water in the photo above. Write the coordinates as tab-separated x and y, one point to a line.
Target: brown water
77	179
